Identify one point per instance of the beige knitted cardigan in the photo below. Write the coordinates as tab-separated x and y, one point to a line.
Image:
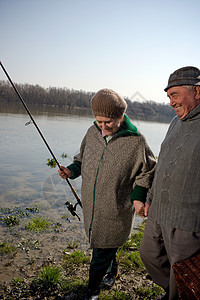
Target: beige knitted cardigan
110	171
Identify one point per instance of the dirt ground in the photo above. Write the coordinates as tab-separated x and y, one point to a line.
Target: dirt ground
35	250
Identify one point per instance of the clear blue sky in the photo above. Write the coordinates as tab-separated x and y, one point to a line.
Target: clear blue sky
127	45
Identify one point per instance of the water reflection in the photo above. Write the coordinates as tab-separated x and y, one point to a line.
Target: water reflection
43	110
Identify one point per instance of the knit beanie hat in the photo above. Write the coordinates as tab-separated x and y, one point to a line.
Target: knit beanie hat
109	104
184	76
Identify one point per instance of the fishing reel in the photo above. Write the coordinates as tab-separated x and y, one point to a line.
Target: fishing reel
72	209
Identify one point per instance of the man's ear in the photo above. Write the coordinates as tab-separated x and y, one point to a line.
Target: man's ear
197	92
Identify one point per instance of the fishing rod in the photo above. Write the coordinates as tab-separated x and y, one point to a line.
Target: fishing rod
71	207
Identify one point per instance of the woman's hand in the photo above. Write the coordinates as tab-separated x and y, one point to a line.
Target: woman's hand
65	172
141	209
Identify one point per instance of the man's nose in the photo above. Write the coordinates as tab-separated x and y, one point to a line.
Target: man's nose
172	102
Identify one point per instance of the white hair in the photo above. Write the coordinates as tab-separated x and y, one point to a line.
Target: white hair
189	87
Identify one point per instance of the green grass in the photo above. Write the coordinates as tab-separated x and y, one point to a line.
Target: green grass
72	244
17	281
38	224
128	255
114	295
14	215
131	260
72	275
75	285
74	259
6	248
148	292
50	277
134	241
11	220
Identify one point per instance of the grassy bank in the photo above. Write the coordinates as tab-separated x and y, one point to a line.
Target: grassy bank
37	275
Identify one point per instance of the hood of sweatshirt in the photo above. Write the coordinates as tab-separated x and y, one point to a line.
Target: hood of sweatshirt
126	128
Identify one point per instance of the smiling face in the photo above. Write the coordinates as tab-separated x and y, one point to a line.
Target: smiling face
109	125
183	100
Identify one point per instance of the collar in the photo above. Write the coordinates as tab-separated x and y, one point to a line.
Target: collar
126	128
193	114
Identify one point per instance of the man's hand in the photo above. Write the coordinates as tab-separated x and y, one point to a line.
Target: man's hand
146	209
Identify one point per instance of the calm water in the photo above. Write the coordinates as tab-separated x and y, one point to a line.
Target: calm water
25	178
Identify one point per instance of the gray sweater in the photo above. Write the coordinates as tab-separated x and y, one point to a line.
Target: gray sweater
175	193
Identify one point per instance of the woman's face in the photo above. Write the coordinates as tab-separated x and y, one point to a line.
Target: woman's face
109	125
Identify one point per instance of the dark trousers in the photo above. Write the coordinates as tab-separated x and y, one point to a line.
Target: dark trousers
103	261
163	246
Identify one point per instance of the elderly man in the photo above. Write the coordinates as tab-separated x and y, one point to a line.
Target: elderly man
172	231
117	168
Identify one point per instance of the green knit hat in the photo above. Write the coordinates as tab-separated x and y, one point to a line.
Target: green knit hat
109	104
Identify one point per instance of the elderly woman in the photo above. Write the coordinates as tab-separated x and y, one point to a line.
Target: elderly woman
117	168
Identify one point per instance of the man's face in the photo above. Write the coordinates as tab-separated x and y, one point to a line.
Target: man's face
109	125
182	100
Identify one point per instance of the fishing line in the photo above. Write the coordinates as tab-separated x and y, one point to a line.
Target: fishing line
71	207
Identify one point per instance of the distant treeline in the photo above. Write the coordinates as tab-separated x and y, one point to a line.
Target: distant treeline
64	97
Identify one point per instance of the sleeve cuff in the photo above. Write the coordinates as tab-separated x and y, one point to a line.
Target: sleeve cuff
76	169
139	193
